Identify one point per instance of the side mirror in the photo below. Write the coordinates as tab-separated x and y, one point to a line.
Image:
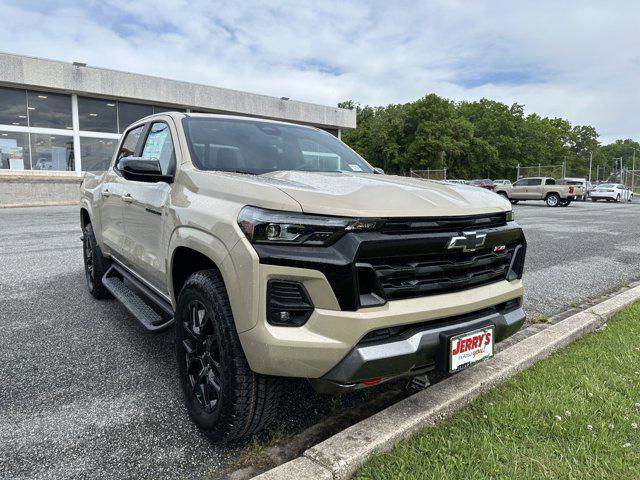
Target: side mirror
378	171
142	169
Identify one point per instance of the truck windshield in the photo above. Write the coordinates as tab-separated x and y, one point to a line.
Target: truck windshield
252	146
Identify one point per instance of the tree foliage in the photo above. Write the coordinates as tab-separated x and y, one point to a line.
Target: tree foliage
481	139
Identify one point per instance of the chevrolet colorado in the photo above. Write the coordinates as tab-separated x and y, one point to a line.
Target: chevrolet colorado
555	194
274	250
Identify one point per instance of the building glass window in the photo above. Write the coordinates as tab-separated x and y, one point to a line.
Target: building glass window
49	110
159	109
96	153
52	152
97	115
13	107
129	113
14	151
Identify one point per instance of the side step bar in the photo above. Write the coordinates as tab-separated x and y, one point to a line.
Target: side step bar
150	319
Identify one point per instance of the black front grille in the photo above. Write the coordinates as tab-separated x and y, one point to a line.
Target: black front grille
443	224
406	276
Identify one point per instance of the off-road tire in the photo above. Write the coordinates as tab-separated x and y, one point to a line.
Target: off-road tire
95	264
552	200
247	402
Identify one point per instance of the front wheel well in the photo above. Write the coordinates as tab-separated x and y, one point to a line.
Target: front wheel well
85	219
185	262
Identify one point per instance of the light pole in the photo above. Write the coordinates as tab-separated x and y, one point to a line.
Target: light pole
590	162
633	170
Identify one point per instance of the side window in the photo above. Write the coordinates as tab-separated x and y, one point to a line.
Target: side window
159	145
549	181
128	147
521	183
535	182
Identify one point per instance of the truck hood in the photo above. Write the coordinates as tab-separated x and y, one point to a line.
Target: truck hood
368	195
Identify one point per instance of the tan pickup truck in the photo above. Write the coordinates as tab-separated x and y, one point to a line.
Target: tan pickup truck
541	188
274	250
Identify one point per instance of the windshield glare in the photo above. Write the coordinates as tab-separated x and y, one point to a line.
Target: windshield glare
251	146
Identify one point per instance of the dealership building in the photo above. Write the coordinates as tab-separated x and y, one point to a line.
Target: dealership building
60	119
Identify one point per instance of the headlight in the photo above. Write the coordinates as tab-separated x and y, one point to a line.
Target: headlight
510	216
274	226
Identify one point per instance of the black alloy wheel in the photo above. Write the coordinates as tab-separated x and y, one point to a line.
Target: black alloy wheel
202	350
95	264
89	267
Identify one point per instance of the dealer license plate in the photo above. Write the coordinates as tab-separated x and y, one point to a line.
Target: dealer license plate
469	348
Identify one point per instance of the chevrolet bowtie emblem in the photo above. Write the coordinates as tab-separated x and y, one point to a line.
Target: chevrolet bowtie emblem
469	242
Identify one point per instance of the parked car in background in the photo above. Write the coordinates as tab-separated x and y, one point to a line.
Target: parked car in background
541	188
483	183
612	192
579	181
502	182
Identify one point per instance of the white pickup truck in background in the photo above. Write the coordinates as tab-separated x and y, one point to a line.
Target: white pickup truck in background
541	188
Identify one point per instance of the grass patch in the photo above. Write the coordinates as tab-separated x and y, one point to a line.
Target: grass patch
574	415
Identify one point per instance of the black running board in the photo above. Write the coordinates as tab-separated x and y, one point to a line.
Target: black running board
149	319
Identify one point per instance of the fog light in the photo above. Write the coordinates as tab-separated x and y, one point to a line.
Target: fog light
288	303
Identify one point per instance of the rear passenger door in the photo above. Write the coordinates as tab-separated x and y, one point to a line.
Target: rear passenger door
534	189
146	208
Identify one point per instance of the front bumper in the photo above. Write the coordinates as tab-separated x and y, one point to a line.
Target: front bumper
335	280
416	350
314	349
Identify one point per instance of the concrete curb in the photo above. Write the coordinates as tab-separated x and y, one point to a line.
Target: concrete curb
339	456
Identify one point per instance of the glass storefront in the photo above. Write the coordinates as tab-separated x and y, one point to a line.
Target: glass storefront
52	152
49	110
97	115
37	131
131	112
14	151
96	153
13	107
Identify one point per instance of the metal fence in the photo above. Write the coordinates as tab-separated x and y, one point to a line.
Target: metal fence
440	174
554	171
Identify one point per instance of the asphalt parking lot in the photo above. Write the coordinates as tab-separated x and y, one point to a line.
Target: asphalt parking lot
85	393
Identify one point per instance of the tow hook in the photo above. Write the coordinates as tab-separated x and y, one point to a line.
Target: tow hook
417	383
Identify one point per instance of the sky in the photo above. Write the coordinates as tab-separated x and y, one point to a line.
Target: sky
579	60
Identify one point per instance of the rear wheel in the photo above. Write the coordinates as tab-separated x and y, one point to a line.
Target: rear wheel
95	264
618	199
553	200
224	397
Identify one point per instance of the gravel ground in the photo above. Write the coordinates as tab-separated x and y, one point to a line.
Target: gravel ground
85	393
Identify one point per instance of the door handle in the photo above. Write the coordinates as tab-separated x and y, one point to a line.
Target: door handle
127	198
106	193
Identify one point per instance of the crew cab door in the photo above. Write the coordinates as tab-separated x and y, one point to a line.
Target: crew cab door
145	209
534	189
112	206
